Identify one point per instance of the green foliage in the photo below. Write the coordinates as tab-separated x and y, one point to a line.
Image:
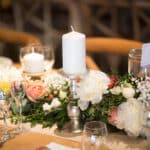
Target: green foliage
101	110
33	111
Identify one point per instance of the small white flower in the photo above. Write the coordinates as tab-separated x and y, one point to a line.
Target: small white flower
46	107
55	80
62	94
116	90
128	92
55	103
144	89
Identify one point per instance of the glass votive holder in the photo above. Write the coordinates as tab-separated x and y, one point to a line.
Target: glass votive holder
94	136
32	59
36	59
134	62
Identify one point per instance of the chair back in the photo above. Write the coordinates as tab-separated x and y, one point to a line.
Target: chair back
16	39
113	46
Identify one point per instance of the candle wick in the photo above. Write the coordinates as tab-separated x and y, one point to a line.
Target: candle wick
72	28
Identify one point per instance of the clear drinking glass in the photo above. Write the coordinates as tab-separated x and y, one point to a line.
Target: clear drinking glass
4	110
94	136
37	64
32	59
134	62
18	94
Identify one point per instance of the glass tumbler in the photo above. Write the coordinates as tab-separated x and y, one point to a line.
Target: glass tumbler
94	136
37	58
134	62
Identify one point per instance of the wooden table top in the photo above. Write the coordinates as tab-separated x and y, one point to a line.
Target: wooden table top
32	140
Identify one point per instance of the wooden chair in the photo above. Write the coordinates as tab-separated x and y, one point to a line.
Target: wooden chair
99	45
12	41
16	37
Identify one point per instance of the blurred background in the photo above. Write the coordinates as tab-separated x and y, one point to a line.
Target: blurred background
50	19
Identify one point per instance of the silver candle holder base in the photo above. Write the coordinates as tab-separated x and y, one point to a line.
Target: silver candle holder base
74	126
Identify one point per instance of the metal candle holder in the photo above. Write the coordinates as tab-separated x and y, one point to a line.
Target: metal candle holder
74	126
73	110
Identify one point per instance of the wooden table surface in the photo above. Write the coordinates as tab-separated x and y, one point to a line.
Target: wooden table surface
32	140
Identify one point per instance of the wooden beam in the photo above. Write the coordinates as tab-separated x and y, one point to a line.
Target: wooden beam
103	28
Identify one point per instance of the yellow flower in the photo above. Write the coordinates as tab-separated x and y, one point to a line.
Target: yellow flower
4	85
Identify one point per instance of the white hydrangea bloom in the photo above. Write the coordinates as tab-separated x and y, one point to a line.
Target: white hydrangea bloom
131	117
56	80
116	90
93	86
144	89
10	74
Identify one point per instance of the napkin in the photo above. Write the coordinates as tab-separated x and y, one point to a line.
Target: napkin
55	146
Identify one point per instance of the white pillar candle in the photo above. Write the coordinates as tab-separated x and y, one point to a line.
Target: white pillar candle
33	62
73	45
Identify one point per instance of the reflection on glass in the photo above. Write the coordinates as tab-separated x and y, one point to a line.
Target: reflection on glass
42	59
94	136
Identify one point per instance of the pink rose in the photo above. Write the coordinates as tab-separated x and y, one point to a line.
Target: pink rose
113	114
35	91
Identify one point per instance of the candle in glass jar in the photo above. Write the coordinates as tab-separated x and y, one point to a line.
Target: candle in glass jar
33	62
73	45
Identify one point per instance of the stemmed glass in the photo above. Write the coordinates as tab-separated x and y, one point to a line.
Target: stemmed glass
94	135
18	93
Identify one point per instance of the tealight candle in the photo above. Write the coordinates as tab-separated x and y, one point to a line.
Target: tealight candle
33	62
73	45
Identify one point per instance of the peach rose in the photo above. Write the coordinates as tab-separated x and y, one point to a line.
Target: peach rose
35	91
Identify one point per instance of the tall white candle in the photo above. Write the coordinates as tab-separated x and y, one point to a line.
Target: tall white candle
33	62
73	45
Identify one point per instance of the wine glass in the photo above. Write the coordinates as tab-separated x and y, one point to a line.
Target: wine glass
49	57
18	93
94	135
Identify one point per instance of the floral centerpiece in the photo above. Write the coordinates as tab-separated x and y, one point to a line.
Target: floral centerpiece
121	102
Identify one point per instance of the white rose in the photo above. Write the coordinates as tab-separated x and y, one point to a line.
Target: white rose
128	92
55	103
62	94
131	117
83	105
116	90
93	86
46	107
